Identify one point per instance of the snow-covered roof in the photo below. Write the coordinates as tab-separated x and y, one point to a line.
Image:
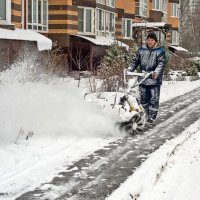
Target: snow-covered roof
43	43
178	48
149	24
103	41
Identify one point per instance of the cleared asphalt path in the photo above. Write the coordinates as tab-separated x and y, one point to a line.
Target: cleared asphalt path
98	175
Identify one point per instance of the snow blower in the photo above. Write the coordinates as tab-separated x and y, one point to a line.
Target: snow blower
131	111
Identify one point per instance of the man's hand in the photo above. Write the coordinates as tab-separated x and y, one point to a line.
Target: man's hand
129	69
154	75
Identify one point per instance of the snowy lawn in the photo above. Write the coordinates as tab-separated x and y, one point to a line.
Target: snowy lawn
65	128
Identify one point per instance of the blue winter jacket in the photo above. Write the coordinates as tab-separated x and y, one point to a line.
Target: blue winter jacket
150	59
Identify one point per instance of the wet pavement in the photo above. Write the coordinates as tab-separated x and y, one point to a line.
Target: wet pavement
99	174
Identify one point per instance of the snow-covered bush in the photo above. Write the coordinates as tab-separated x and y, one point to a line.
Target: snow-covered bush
91	84
197	64
167	57
192	71
110	70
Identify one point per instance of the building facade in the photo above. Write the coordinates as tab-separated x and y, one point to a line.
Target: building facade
89	23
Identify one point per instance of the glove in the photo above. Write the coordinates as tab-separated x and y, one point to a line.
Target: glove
129	69
154	75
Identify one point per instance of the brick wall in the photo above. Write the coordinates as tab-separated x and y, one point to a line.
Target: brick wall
172	20
127	5
16	13
63	20
124	9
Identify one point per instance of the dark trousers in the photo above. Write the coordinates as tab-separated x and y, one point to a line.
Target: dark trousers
149	99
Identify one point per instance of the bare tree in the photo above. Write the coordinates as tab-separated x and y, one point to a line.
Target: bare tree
80	60
183	18
196	26
190	26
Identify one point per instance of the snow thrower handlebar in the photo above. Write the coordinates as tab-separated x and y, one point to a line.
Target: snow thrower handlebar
145	75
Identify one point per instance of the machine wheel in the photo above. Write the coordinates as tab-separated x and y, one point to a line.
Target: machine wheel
133	126
137	124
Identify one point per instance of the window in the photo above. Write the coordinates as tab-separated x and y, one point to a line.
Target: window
107	2
110	3
105	23
37	15
101	1
100	22
174	10
85	20
110	24
164	7
127	28
175	37
3	10
141	7
157	4
81	20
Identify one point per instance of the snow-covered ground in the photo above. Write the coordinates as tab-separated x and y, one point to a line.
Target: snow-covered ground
66	128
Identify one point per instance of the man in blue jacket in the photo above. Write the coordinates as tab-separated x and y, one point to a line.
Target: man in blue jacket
151	58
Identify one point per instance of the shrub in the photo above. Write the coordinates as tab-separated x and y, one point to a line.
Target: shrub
110	70
192	71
